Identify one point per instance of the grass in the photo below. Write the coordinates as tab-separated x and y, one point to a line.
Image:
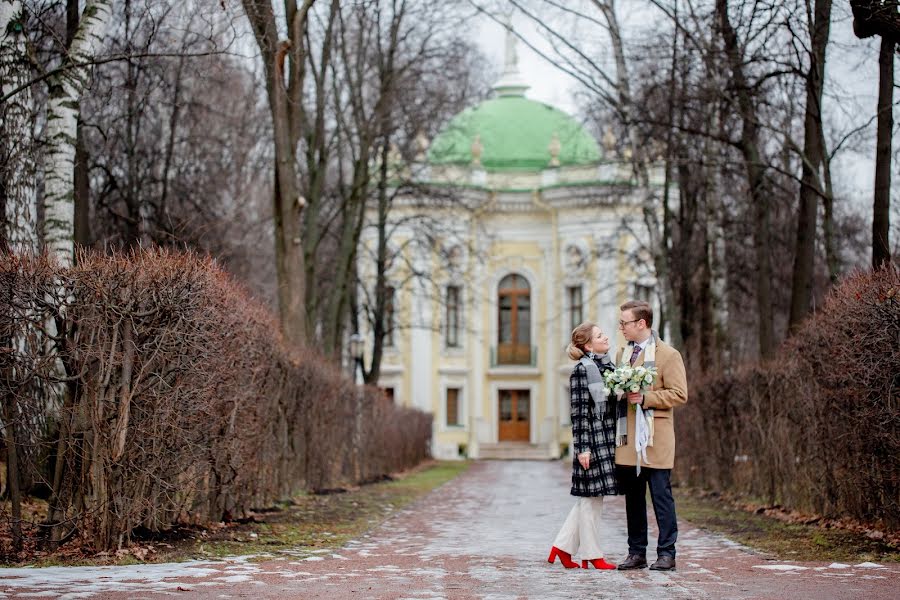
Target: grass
778	538
305	525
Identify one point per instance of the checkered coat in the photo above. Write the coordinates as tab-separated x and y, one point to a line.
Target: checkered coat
593	432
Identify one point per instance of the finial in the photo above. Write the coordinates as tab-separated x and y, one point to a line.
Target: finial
609	140
511	82
422	144
554	147
477	148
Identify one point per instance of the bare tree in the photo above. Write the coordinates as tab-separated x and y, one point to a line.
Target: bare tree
285	65
812	180
870	18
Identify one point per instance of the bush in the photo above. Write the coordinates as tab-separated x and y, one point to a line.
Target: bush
149	389
817	428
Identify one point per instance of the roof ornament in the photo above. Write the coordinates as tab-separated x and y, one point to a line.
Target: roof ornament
422	144
477	148
609	141
554	147
511	82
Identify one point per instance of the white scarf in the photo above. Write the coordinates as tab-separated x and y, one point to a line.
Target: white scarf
643	422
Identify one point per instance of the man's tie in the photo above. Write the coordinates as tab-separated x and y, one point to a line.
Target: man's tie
635	353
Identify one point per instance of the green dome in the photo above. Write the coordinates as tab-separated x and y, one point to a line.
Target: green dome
515	134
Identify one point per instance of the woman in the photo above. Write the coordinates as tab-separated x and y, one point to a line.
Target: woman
594	440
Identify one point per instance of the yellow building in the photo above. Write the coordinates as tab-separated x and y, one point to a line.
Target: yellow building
532	231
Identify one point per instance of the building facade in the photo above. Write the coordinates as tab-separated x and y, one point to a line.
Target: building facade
523	226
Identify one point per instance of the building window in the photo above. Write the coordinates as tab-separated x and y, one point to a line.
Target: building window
389	320
453	407
514	321
452	333
388	393
575	305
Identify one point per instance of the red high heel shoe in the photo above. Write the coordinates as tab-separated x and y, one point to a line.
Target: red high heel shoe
564	557
598	563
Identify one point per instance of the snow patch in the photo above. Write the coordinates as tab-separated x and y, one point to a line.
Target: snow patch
781	567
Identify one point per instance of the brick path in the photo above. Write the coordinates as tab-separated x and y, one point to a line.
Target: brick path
484	535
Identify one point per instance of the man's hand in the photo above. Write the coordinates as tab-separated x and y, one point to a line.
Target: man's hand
585	459
635	397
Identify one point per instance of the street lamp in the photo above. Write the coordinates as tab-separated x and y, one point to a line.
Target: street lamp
357	348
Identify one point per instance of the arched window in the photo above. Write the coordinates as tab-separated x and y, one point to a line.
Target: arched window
514	321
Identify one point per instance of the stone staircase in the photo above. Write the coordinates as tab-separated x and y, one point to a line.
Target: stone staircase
513	451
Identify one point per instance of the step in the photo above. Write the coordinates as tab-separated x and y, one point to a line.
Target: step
513	451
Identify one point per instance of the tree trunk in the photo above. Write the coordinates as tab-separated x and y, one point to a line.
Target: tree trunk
82	183
18	193
811	178
881	250
755	171
655	231
831	252
379	326
284	91
65	91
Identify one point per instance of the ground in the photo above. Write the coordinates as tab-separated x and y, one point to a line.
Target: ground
485	534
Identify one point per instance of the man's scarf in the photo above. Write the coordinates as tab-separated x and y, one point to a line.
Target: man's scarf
643	422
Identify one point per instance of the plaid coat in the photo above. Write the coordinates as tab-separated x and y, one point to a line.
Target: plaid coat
593	432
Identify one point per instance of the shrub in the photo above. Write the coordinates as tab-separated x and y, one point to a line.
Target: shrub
149	388
815	429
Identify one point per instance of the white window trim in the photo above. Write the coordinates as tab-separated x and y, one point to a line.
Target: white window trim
460	384
529	276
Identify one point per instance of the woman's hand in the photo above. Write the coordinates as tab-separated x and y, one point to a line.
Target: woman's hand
585	459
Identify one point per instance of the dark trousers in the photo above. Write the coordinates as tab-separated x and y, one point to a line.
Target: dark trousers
635	488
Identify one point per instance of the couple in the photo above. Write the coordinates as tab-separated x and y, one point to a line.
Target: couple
606	462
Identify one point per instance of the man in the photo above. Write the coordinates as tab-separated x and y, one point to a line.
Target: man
668	391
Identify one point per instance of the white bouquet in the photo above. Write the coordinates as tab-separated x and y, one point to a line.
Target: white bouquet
630	379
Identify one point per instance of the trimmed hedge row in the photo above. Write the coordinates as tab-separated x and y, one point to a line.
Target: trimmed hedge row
149	389
818	428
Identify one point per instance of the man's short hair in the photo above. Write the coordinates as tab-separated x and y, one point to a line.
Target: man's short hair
640	310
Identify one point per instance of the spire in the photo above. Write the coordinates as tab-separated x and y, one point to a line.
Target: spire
511	82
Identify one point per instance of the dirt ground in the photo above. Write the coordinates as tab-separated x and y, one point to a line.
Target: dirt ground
485	534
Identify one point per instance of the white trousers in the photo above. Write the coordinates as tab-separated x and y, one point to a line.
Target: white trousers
580	534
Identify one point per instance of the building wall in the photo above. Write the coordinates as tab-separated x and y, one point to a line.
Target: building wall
531	238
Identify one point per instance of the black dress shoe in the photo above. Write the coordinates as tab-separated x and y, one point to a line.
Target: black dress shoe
634	561
663	563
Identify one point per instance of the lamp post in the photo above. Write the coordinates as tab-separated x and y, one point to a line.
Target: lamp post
357	348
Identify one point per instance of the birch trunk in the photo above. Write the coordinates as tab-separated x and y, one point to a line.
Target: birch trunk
66	89
18	193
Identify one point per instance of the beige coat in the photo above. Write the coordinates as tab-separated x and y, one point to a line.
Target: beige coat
669	391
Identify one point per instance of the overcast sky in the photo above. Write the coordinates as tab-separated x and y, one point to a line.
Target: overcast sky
852	74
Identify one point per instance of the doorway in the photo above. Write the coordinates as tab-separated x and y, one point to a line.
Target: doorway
514	415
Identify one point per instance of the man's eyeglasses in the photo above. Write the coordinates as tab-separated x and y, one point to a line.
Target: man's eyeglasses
624	323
